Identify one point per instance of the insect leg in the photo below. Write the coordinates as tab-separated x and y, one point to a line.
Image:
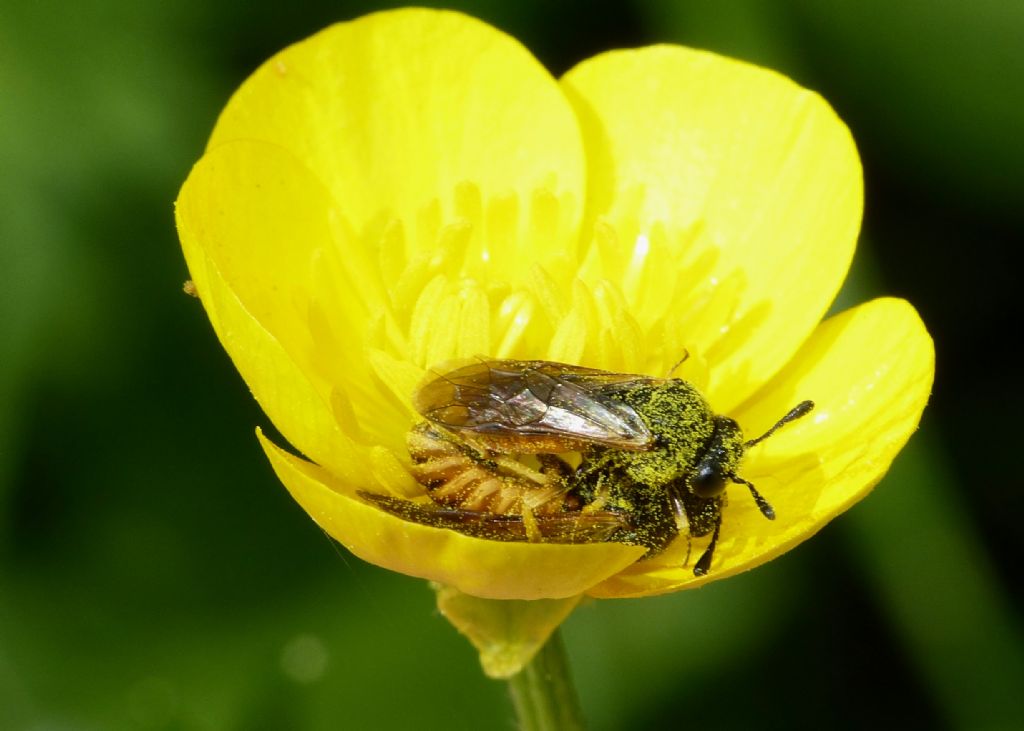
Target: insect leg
552	465
682	520
704	562
533	533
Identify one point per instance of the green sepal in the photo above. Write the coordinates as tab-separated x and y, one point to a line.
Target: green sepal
506	632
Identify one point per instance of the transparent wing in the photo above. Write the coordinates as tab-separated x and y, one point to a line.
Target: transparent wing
569	527
535	406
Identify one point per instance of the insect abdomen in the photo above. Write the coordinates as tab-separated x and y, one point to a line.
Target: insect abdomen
457	475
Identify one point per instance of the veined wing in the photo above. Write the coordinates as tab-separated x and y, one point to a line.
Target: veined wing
535	406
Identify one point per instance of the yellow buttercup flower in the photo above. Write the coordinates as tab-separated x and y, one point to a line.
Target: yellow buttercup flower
412	187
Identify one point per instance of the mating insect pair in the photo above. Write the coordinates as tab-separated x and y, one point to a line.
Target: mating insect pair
495	455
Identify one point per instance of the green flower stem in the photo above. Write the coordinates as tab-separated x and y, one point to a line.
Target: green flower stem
543	693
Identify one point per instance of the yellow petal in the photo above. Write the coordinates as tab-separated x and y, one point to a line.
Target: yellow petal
280	382
735	196
488	569
869	371
426	117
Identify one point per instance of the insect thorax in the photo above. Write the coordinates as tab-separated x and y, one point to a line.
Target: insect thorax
644	485
682	423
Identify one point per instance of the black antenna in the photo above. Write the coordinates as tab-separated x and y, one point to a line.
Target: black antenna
801	409
766	509
686	357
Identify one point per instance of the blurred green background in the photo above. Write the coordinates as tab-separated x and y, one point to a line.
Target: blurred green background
153	573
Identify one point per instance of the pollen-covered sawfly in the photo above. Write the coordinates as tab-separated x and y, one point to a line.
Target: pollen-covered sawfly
531	450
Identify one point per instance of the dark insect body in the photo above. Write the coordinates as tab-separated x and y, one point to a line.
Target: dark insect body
653	463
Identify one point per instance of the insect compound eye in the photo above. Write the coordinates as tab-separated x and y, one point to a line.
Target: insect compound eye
708	481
